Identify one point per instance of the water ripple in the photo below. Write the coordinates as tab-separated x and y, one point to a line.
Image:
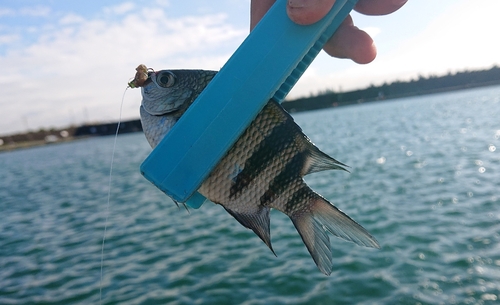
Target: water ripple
417	183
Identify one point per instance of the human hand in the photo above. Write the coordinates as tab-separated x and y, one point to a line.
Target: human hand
348	41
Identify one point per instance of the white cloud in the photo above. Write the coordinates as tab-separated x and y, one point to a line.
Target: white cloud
464	37
84	65
36	11
79	65
120	9
6	12
7	39
71	19
162	3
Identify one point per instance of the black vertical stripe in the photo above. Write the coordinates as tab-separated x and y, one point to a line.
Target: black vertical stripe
280	137
282	181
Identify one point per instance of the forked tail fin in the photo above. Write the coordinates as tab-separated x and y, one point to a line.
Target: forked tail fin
320	215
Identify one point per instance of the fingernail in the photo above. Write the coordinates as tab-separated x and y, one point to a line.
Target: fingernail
299	3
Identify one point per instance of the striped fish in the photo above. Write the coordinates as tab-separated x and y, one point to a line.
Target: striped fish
262	171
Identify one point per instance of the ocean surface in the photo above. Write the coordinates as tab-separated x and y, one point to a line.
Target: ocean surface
425	179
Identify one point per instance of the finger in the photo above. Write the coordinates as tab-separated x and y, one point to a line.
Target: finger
258	9
351	42
378	7
306	12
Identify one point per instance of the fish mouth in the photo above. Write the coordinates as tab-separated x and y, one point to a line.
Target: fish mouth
159	113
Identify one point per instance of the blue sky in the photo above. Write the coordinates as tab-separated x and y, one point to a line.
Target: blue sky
68	62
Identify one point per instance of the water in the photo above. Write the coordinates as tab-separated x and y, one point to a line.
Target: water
424	176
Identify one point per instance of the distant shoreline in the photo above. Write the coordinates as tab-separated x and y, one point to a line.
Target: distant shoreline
291	109
398	89
329	99
72	133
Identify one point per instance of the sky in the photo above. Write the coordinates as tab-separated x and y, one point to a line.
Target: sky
68	62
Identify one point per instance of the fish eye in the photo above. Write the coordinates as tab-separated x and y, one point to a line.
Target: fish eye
166	79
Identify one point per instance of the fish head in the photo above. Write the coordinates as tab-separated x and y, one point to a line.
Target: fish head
166	95
170	91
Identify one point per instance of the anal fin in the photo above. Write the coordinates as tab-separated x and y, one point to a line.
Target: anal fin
257	221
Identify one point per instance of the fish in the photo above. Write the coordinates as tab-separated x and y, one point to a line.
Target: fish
263	170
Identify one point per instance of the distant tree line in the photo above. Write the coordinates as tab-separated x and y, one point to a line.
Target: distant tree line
422	85
59	134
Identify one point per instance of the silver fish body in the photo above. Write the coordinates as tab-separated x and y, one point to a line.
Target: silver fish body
263	170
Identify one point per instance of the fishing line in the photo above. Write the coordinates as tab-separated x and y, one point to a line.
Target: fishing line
109	192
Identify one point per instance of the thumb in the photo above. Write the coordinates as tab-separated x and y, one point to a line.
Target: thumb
307	12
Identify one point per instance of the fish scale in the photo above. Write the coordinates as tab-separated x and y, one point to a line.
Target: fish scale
262	170
274	157
273	143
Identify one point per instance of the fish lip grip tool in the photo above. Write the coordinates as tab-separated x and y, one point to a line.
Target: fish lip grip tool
266	65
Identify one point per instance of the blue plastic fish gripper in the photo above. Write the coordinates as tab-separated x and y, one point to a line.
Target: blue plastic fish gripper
266	65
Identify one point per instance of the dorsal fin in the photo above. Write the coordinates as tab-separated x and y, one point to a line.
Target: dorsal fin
319	161
316	160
